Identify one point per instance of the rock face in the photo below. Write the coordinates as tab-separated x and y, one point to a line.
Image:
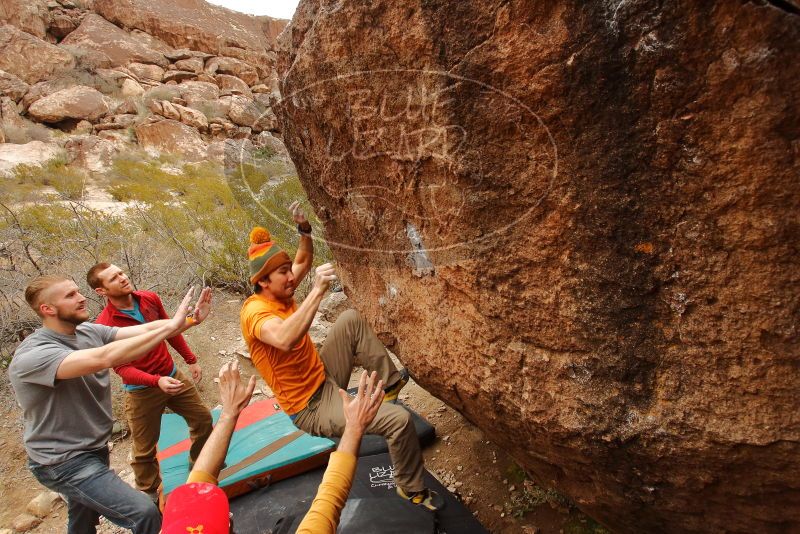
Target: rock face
11	86
195	24
29	16
33	153
29	58
109	46
171	136
580	222
78	102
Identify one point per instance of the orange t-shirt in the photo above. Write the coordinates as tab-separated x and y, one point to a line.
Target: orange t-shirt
294	375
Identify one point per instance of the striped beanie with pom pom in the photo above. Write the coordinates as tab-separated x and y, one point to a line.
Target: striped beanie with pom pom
264	255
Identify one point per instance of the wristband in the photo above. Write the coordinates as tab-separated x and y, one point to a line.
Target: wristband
302	229
190	320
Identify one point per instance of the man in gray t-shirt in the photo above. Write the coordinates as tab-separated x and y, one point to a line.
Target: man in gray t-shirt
61	380
67	417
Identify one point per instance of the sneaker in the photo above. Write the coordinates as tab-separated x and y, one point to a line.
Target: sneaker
426	498
391	392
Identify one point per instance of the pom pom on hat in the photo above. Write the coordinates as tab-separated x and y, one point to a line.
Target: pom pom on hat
259	235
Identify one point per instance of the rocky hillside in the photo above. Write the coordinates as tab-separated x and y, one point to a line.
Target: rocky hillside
578	223
88	79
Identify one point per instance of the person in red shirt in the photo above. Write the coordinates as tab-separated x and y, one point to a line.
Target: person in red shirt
153	382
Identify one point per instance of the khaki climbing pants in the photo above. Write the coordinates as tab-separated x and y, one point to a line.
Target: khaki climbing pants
350	341
143	409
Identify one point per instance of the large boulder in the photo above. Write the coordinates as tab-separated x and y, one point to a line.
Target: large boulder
198	25
78	102
232	85
580	222
30	16
173	137
189	116
45	88
29	58
146	72
234	67
32	153
12	87
62	24
248	112
195	93
106	45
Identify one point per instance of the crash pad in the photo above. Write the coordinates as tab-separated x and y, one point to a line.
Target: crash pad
260	425
372	507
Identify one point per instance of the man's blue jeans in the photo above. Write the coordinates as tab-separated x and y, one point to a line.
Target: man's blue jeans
92	489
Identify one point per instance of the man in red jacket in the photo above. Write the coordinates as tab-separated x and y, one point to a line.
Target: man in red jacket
153	382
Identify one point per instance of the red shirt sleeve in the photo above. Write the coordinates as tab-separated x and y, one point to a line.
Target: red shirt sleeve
136	377
177	342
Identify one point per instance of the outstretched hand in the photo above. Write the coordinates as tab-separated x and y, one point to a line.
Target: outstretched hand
233	394
203	306
359	411
200	311
178	320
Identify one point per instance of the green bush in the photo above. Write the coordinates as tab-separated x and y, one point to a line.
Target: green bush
68	182
25	132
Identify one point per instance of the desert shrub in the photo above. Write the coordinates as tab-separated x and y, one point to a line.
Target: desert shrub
25	132
69	183
264	153
176	229
46	237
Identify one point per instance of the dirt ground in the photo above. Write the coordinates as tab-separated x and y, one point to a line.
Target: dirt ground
462	457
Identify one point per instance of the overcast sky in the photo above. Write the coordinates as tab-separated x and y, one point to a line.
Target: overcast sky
281	9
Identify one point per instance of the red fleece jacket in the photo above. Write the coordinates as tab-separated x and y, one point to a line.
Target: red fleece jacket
157	363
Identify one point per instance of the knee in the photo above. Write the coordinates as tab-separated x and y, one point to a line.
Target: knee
402	421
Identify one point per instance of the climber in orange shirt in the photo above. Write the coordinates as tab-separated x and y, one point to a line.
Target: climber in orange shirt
306	383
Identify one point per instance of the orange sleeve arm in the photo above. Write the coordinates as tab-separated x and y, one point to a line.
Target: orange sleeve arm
323	516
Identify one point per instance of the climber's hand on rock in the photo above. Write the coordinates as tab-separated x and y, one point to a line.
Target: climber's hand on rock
297	214
325	274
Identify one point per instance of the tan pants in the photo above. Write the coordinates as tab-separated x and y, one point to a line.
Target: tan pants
351	340
143	409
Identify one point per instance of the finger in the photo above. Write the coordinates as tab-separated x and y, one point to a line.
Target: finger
362	384
251	386
345	397
188	298
223	371
235	370
371	384
377	395
377	400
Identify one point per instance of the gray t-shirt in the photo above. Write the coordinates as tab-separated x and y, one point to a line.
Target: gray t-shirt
62	417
